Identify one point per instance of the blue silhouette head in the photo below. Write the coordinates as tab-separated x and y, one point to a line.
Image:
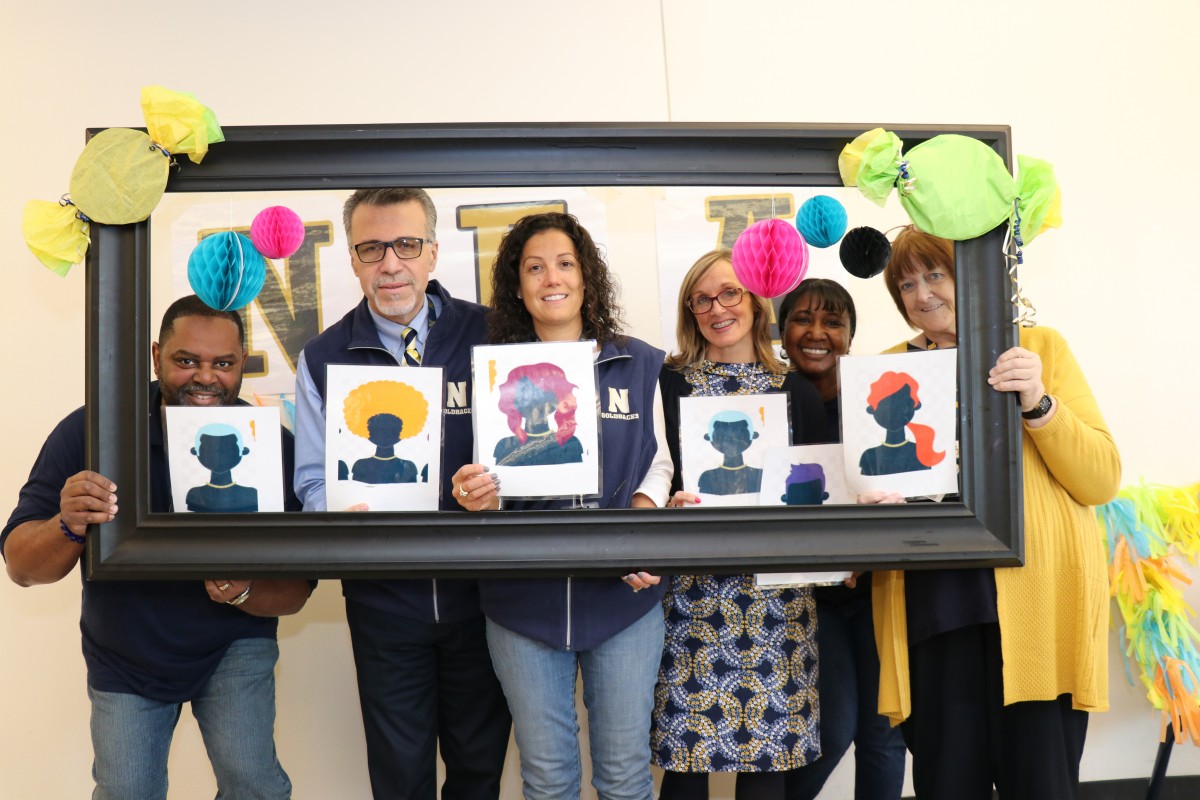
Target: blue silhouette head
730	432
219	446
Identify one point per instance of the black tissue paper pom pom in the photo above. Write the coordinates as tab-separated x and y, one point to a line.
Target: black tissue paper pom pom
865	252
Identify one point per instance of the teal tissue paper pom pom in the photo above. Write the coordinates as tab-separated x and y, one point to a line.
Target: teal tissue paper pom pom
821	220
225	271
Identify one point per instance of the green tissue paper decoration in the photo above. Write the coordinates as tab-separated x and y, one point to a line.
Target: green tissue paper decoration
953	186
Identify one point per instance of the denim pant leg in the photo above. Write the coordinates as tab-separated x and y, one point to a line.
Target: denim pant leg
236	714
879	751
539	682
618	690
131	738
838	690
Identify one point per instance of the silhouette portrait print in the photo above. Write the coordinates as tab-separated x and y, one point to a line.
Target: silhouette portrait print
527	399
219	449
893	402
385	413
731	433
805	486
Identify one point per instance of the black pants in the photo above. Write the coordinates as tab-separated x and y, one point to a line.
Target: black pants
963	738
748	786
421	684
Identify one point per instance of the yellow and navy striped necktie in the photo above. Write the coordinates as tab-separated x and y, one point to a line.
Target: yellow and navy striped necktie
412	356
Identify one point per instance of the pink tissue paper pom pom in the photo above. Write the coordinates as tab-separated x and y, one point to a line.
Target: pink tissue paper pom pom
277	232
770	257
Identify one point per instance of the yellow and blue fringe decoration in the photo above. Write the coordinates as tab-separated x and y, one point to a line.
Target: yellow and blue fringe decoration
1145	526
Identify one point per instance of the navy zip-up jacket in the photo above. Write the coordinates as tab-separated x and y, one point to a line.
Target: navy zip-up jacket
582	613
354	340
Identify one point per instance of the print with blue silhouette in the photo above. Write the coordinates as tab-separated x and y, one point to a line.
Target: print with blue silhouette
893	402
219	449
530	395
805	486
385	413
731	433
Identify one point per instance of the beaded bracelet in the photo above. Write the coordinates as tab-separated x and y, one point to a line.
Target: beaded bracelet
67	532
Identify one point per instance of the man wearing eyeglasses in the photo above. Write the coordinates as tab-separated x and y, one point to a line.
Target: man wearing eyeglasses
420	651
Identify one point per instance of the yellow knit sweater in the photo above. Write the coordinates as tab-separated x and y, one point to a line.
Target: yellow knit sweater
1053	610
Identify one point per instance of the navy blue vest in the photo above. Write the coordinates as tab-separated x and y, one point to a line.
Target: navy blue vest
582	613
355	340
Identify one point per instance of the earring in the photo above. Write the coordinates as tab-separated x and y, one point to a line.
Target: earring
783	354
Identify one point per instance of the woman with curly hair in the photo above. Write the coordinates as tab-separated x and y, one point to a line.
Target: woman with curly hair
550	284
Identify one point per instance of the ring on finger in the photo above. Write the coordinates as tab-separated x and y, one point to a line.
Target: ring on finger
226	587
462	491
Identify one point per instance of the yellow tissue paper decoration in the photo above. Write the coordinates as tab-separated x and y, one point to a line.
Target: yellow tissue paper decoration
1144	526
179	122
121	175
55	234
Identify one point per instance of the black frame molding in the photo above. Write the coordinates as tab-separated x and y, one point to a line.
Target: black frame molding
984	529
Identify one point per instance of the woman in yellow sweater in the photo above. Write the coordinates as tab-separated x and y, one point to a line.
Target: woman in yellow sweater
992	672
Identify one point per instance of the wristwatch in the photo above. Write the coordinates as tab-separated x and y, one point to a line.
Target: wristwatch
1040	410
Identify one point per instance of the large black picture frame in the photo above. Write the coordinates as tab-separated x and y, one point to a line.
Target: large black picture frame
983	529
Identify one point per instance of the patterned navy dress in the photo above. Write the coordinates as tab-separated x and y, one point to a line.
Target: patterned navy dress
737	688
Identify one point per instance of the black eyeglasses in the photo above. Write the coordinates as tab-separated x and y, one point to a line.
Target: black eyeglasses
404	247
701	304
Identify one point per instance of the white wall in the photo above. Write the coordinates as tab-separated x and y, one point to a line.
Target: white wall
1105	91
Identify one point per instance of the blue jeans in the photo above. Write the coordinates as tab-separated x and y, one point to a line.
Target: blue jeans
131	734
849	690
618	690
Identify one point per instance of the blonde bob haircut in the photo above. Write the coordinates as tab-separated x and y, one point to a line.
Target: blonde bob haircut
693	347
912	253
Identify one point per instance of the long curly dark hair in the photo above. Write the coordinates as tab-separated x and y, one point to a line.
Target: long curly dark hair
510	321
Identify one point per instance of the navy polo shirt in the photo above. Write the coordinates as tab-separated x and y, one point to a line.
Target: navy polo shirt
157	639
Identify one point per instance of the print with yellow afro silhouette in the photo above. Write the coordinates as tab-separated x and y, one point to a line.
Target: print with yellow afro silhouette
385	413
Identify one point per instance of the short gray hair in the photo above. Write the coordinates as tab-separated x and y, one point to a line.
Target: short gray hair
391	197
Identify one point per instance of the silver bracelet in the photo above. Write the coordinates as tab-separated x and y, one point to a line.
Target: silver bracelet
241	598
